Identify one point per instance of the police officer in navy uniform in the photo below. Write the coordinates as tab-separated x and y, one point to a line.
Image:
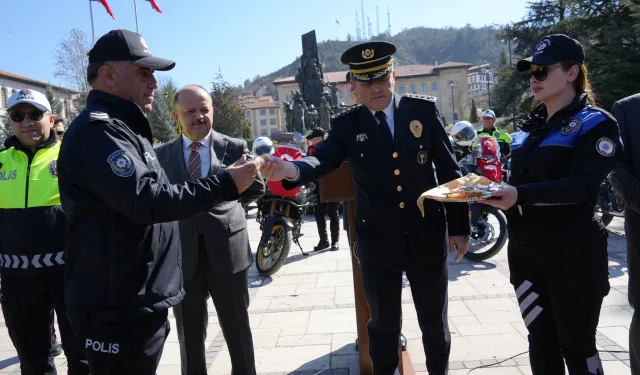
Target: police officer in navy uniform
392	143
123	257
557	249
32	228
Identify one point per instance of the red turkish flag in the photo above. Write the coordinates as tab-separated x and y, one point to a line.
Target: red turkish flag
155	6
106	6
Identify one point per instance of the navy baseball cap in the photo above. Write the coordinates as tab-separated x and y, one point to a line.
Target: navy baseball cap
552	49
125	45
316	132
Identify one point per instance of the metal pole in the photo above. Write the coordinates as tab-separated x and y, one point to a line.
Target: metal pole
453	104
93	33
135	6
510	52
489	88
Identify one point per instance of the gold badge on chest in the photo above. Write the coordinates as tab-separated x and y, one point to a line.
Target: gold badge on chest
416	128
361	137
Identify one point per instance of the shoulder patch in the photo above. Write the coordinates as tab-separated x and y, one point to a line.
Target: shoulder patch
422	97
99	116
347	110
121	164
606	147
53	168
572	126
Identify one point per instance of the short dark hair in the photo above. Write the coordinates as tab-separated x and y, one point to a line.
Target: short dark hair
92	71
58	121
175	96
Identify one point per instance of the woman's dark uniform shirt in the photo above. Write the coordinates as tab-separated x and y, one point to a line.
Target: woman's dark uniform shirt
557	167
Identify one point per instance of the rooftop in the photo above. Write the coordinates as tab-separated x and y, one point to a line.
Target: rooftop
17	77
402	71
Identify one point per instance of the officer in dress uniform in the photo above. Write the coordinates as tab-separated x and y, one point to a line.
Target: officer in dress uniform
557	249
392	143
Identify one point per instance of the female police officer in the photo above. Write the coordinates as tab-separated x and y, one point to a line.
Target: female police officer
557	250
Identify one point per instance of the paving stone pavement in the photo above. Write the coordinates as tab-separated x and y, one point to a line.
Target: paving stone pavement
303	318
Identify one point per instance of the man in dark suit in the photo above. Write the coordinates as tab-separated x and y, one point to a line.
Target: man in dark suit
215	245
625	178
392	143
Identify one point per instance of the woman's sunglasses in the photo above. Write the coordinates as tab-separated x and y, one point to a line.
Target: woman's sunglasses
540	74
18	116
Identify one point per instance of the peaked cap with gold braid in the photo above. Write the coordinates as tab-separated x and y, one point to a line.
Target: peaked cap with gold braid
369	61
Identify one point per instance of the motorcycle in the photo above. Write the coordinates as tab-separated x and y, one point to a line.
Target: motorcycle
610	204
488	223
280	215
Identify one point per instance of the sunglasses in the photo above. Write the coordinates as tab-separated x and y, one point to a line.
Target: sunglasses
540	74
59	132
18	116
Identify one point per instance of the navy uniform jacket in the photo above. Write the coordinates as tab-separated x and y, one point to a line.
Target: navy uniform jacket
557	167
389	178
123	254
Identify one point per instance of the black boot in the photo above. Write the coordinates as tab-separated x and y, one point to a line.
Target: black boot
322	245
335	246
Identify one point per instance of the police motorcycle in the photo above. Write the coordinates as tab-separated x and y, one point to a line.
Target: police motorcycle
482	157
280	212
610	204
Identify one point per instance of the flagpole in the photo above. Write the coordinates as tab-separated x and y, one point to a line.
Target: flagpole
93	33
135	6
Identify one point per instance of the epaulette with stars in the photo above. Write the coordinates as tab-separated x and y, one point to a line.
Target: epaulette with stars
347	110
422	97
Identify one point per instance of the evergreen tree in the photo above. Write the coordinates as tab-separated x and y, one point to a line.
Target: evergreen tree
162	122
473	116
228	116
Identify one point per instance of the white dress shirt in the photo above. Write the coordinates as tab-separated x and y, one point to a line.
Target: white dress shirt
388	113
204	151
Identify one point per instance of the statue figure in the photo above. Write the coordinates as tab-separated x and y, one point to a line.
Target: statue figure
325	114
333	86
300	79
298	113
310	119
287	115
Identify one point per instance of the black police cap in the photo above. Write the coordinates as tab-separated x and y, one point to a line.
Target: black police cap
369	61
125	45
552	49
316	132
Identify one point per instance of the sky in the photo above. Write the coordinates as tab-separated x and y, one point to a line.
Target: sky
241	38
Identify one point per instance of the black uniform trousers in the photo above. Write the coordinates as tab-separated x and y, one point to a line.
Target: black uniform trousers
633	261
27	301
129	346
383	290
230	296
320	210
560	301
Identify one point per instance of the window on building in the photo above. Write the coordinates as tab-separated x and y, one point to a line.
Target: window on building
248	113
263	112
272	121
272	111
402	89
423	88
263	122
341	95
264	131
412	88
3	97
434	86
349	94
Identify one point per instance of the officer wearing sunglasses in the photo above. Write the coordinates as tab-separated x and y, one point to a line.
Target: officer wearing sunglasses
32	242
557	249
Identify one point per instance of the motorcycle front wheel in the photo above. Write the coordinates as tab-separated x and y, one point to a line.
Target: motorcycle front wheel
273	251
485	242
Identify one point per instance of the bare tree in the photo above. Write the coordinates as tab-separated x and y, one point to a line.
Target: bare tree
71	60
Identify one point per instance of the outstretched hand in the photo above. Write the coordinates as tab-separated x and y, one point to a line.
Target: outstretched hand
505	198
278	169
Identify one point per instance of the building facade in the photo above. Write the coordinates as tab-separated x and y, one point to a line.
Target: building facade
263	115
440	81
10	83
480	80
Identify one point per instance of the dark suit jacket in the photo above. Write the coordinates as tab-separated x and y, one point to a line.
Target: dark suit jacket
625	178
224	227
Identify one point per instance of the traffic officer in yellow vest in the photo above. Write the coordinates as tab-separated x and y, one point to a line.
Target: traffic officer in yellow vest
489	129
32	230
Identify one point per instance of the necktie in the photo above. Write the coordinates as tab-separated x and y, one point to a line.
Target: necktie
193	167
384	126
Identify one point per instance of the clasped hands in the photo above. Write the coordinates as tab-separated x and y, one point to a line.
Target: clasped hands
272	168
